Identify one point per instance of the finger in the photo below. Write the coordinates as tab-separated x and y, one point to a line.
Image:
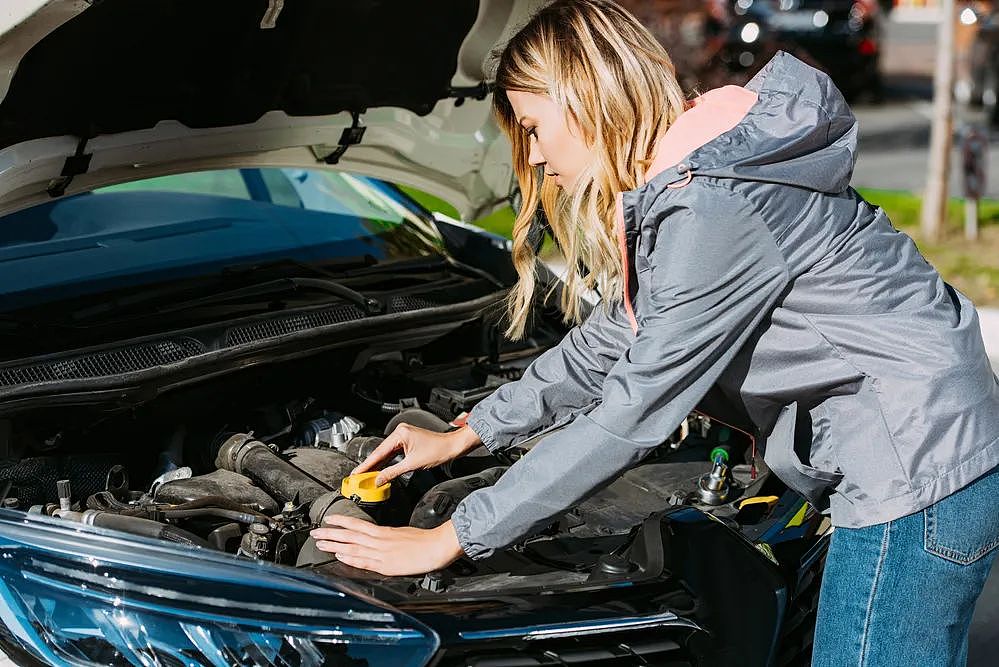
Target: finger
393	471
340	549
342	535
380	453
355	524
361	563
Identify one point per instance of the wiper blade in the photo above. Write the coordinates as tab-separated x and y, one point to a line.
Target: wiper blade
368	304
157	293
422	264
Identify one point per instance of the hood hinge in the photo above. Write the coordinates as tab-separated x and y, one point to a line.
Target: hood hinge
479	91
75	164
350	136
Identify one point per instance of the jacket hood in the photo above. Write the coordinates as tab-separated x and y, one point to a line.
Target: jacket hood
789	125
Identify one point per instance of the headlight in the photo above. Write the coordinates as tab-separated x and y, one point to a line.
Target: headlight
83	597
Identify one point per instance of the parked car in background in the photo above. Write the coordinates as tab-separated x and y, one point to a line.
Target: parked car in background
727	41
843	37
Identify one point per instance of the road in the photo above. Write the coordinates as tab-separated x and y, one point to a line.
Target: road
894	147
895	136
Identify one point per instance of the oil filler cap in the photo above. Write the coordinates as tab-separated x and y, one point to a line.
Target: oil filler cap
361	488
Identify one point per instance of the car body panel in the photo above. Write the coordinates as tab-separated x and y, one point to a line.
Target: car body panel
258	106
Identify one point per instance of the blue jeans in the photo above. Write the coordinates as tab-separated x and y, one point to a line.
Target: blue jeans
903	592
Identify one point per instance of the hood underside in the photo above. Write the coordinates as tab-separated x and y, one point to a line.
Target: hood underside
287	74
123	65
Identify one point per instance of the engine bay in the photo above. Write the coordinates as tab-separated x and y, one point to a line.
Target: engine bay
248	464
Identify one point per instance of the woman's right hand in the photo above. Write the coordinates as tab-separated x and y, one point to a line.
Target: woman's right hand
421	449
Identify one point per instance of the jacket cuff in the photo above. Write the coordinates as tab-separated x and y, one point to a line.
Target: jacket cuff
462	526
483	430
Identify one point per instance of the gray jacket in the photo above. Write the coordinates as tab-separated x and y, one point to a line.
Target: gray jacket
768	276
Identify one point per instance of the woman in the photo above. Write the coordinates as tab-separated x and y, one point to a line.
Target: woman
731	251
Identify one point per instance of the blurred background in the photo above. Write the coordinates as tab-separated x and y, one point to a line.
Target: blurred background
883	55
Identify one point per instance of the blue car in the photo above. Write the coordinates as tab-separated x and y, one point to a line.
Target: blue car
220	288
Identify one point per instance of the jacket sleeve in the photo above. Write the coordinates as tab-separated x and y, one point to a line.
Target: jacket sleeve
712	281
561	382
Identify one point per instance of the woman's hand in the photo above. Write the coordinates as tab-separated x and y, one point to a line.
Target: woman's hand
422	449
385	550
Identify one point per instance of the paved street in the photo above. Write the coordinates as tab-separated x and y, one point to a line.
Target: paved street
894	147
895	136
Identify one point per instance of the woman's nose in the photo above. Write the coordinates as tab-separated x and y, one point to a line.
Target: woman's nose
534	156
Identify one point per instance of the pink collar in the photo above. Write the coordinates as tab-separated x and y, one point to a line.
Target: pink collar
709	116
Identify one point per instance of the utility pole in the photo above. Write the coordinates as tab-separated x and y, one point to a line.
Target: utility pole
934	210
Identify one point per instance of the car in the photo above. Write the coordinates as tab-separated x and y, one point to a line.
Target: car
843	37
727	41
223	286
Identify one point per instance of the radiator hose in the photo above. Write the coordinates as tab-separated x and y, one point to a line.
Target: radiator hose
246	456
135	525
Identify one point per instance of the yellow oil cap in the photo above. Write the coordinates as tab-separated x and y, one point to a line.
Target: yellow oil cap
361	487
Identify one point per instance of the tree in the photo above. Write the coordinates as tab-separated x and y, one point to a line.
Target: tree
934	209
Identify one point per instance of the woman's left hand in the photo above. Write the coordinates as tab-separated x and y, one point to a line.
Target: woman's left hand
385	550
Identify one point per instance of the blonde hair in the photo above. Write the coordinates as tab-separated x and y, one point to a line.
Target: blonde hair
610	75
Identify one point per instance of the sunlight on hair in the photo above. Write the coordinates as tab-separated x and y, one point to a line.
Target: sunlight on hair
612	77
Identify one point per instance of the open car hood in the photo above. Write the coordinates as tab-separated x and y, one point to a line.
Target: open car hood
100	92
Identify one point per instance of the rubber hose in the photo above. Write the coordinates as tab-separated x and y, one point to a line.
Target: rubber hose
146	527
241	454
239	517
324	506
218	502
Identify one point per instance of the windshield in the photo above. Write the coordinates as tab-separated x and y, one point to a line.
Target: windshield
197	224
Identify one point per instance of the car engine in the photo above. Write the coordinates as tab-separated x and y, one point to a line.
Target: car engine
253	481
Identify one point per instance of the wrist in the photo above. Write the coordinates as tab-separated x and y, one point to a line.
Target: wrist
465	440
450	546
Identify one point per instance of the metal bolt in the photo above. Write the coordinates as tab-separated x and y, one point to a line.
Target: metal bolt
65	492
259	528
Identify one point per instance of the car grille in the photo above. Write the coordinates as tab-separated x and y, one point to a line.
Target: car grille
659	647
280	326
103	364
143	356
401	304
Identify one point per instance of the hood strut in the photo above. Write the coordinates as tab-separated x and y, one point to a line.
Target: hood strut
74	165
350	136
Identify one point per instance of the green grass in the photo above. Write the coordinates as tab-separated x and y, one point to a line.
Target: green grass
498	222
971	266
903	209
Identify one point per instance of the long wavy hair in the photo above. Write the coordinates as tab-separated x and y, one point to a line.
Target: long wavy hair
610	75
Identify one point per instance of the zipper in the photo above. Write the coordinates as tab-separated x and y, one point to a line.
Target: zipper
625	271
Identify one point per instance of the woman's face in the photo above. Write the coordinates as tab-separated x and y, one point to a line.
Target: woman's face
555	140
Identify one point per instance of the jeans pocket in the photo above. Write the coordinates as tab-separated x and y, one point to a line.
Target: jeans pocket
964	526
